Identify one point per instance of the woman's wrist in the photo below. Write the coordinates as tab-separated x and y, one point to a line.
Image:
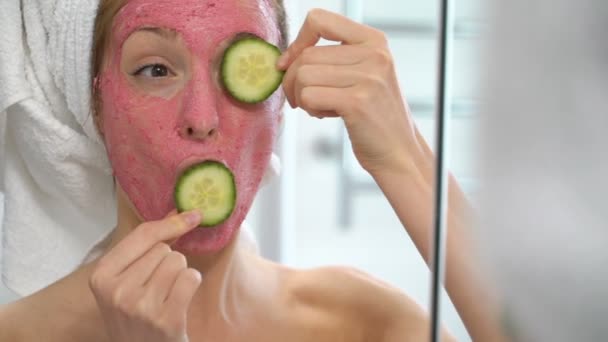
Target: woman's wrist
408	168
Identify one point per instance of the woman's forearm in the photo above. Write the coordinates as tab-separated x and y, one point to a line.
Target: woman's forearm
411	196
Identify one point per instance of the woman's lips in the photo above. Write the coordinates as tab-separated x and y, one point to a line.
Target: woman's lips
193	160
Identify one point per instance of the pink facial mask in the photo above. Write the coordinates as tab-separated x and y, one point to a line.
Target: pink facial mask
151	139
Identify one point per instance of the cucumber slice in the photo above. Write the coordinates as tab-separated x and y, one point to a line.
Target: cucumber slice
208	186
248	70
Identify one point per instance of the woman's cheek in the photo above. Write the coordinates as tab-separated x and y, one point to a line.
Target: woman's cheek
132	117
143	149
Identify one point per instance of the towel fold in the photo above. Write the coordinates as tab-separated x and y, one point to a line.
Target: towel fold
55	174
56	177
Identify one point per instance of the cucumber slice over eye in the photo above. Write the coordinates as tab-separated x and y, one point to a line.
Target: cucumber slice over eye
208	186
249	71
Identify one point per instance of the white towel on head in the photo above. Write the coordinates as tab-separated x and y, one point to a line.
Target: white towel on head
55	175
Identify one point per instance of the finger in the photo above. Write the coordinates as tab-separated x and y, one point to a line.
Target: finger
171	213
322	55
144	237
324	100
321	114
331	26
184	288
160	284
138	273
170	242
333	54
318	75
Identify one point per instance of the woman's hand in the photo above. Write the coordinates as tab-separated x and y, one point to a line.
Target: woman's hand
143	288
356	81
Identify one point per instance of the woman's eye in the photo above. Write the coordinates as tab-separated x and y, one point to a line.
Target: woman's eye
153	70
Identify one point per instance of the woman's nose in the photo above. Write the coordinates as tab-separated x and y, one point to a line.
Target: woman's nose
200	120
198	133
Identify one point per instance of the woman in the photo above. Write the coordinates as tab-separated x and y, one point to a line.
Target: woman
160	108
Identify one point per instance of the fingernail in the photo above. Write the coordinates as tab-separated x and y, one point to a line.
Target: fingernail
282	62
193	217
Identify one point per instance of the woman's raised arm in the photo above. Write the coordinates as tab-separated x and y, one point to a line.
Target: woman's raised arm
357	82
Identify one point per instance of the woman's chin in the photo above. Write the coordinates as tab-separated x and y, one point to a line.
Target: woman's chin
203	240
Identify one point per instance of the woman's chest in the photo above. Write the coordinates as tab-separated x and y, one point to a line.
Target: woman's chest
259	329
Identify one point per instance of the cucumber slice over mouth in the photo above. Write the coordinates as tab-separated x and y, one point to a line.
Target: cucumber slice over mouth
208	186
249	71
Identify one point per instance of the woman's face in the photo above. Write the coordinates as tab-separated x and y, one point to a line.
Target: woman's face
163	107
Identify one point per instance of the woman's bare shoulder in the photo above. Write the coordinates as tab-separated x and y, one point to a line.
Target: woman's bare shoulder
12	321
366	304
51	311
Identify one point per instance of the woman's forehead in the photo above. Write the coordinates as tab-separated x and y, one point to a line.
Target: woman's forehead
211	19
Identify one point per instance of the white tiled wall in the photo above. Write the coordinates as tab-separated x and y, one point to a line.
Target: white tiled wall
417	10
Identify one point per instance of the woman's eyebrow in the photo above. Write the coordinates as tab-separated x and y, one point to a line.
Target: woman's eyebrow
164	33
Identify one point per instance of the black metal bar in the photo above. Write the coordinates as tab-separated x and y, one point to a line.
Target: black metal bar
439	236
